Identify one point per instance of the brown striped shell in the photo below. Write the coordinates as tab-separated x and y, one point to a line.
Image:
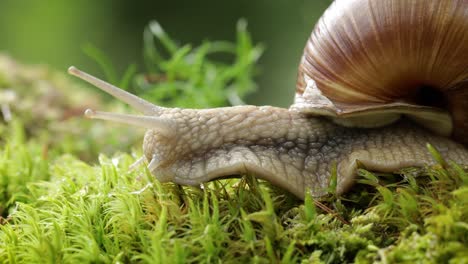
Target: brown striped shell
369	62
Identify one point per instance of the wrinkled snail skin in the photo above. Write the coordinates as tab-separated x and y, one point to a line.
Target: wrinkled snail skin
377	82
292	150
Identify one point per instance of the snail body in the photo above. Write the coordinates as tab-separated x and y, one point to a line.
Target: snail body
346	110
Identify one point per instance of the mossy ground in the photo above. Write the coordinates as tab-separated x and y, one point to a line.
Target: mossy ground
63	210
57	208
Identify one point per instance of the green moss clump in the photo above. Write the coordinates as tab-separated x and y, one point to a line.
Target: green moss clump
64	210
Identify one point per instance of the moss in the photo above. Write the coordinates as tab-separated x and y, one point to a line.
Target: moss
65	210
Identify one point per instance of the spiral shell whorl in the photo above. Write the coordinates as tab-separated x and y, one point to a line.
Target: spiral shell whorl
378	52
381	51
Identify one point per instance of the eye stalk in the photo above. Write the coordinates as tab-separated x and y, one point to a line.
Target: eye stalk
134	101
162	125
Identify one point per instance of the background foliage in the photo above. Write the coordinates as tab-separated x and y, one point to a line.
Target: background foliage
55	32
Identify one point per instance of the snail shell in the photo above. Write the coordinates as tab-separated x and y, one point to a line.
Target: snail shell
381	59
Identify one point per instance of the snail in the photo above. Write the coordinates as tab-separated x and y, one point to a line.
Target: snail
377	82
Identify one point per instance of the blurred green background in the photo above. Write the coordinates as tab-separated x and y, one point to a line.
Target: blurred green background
54	32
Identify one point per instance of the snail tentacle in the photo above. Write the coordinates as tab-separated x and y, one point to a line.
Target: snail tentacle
134	101
154	164
164	126
136	164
